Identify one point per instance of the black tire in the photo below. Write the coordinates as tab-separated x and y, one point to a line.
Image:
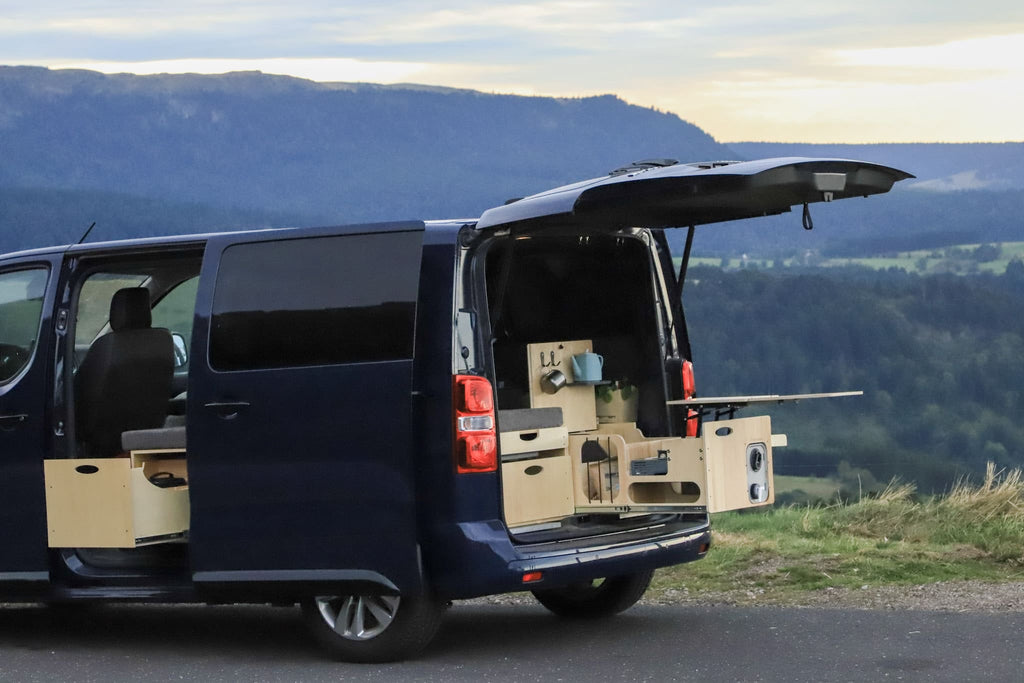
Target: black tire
596	599
373	628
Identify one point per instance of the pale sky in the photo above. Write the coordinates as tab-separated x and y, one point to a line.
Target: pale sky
796	71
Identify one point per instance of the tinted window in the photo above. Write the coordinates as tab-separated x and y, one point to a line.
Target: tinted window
315	301
21	307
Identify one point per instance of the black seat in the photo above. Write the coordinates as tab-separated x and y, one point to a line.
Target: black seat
124	381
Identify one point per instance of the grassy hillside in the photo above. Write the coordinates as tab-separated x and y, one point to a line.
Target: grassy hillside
974	531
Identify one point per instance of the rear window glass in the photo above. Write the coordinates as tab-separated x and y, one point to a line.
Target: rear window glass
316	301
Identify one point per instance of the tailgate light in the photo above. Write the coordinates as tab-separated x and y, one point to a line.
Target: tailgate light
532	577
690	391
476	441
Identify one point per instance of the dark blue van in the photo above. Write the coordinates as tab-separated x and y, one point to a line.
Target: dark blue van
374	420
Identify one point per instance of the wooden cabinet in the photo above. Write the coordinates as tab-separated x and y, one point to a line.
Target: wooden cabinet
537	489
621	470
110	502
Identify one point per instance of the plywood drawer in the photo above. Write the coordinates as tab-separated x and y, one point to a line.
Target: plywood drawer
538	489
110	503
527	440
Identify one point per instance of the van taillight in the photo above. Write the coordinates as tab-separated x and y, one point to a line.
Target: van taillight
690	391
476	440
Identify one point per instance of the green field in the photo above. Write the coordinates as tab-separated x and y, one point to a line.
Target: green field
942	260
822	488
973	532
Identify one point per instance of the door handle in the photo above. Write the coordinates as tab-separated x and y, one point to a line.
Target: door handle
10	422
227	410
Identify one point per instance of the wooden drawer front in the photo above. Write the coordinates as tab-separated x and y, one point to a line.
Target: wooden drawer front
529	440
89	503
537	490
109	503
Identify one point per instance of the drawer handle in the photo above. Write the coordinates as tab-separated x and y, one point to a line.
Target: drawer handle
533	469
529	437
87	469
723	431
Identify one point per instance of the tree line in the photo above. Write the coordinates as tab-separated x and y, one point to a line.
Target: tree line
938	357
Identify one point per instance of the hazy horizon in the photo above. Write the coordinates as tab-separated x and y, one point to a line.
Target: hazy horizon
742	71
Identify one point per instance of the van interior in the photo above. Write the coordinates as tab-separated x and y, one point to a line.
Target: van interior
585	363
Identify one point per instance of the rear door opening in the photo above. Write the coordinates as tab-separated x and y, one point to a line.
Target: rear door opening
589	358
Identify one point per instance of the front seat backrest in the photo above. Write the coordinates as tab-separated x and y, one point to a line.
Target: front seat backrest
124	381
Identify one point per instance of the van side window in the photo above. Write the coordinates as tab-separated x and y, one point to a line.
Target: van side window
315	301
21	307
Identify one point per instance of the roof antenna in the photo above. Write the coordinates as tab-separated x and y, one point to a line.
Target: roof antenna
86	233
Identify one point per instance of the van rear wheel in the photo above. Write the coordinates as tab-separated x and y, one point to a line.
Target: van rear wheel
373	628
596	599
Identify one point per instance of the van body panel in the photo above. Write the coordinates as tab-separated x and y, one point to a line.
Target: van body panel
696	194
26	424
304	467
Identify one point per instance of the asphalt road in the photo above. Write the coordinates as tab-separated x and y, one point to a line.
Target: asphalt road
518	643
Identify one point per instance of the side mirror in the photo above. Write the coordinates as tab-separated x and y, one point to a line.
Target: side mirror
180	350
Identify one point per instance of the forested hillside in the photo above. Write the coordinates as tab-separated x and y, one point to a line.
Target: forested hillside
938	357
151	155
344	152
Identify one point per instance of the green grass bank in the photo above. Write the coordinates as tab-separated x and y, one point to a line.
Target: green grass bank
975	531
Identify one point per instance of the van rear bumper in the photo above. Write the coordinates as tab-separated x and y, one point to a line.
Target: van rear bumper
482	560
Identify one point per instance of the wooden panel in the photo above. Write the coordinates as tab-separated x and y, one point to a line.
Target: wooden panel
158	511
115	505
537	490
611	487
527	440
597	485
89	510
577	401
728	481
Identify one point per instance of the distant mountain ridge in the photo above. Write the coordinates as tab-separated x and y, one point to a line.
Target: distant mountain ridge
150	155
355	151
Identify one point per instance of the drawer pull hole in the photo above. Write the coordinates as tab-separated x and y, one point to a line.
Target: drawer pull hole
529	436
723	431
533	469
87	469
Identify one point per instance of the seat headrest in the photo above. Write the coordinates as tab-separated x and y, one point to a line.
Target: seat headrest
129	309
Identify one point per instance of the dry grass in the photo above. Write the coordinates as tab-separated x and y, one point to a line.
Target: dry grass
975	531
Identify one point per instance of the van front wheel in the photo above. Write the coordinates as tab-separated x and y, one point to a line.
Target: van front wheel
596	599
373	628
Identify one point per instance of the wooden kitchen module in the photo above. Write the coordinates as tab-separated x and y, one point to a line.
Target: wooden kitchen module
713	472
110	502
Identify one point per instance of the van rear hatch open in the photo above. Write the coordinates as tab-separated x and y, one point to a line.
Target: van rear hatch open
581	274
678	195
